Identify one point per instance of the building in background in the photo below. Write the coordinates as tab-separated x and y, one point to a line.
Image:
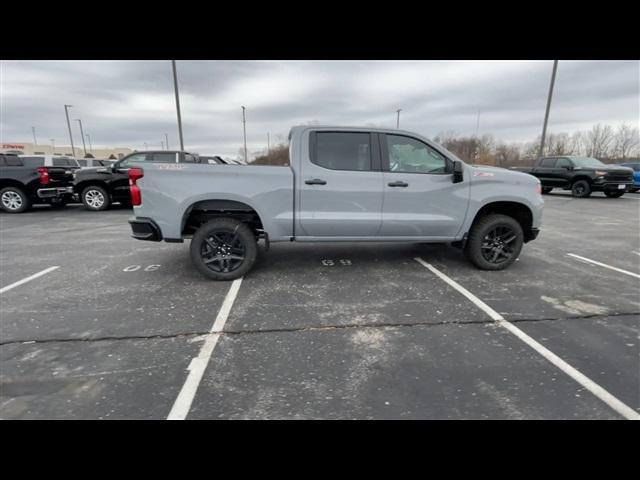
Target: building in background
24	148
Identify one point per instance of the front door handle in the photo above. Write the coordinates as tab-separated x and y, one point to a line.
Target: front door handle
398	184
316	181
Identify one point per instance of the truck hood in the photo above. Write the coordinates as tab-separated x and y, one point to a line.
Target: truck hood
480	172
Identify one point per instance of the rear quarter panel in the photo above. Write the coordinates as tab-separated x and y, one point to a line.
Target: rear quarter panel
170	190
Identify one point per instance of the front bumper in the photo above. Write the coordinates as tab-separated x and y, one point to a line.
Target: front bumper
609	186
55	192
145	229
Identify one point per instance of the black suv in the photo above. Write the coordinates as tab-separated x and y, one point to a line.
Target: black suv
98	188
26	180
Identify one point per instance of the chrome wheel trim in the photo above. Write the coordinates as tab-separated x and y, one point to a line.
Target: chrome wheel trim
94	198
12	200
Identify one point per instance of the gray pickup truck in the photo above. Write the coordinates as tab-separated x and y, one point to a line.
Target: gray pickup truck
343	184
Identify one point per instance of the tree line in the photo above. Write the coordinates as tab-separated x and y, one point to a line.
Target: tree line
604	142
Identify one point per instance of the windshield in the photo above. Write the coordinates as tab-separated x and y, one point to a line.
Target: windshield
586	162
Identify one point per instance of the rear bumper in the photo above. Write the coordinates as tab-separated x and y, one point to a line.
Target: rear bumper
145	229
55	192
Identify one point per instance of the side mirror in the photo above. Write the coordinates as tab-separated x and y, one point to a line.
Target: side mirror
457	172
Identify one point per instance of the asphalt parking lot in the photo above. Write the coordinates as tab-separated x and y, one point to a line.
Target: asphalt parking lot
121	328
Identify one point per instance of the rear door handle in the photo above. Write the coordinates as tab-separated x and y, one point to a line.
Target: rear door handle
316	181
398	184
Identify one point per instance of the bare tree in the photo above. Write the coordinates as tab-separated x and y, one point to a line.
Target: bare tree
599	141
558	144
626	142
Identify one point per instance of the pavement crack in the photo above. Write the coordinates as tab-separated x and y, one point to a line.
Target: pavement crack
309	328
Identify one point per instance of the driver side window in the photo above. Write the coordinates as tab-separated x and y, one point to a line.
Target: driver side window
408	155
129	161
564	163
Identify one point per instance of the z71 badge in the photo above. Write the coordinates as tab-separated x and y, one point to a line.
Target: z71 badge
172	166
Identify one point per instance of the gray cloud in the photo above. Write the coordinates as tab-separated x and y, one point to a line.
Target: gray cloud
128	103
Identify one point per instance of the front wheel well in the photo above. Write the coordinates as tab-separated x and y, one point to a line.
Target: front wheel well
589	180
516	210
201	212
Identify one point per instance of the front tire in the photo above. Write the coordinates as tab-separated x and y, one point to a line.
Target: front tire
614	194
581	189
223	249
95	198
14	200
495	241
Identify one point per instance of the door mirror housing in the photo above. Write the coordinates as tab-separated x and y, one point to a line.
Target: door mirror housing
457	172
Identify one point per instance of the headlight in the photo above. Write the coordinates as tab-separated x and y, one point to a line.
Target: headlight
600	173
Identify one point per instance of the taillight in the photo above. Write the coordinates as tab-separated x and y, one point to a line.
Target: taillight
44	175
134	175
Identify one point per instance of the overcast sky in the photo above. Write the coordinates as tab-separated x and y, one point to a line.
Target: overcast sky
128	103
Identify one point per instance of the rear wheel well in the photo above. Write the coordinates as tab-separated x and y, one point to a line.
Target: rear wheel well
516	210
80	187
202	212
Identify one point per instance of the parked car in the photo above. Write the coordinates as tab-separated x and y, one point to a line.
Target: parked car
635	166
581	175
26	180
98	188
343	184
54	160
213	160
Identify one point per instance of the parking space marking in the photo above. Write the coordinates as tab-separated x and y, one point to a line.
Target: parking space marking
637	253
620	407
198	364
28	279
626	272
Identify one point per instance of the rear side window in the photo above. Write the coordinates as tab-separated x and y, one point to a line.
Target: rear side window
162	157
548	162
83	163
33	161
343	150
564	162
13	161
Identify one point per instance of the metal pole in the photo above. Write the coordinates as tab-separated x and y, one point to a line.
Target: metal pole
398	120
53	146
145	146
546	114
175	87
268	144
244	127
89	138
84	147
66	112
35	142
166	137
162	144
477	124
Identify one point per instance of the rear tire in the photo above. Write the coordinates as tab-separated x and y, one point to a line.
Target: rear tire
614	194
495	242
581	189
14	200
95	198
224	249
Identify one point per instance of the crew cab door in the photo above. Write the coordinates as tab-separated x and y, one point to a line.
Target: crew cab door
420	198
547	172
340	185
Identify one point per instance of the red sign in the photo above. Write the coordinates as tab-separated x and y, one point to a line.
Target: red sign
15	147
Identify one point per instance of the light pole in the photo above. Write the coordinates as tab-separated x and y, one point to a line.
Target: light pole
53	146
162	144
84	146
35	142
244	127
66	112
145	146
175	87
90	146
477	124
166	137
268	144
546	114
398	119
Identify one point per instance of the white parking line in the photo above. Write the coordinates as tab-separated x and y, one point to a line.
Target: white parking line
198	364
637	253
28	279
626	272
583	380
